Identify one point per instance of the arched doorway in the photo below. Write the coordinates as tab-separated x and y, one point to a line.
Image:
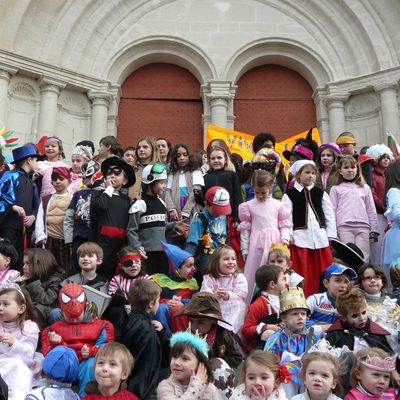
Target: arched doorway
272	98
161	100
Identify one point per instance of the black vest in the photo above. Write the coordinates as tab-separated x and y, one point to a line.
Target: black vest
300	200
155	213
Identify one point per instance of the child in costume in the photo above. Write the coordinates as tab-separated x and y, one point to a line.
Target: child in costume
353	205
80	156
383	156
262	378
113	365
19	334
223	278
337	279
53	152
42	280
78	331
328	155
19	200
191	375
49	229
313	225
145	338
109	212
60	368
354	328
209	230
178	287
264	221
262	319
129	269
147	220
371	376
320	373
294	339
8	258
183	180
77	216
203	315
280	255
391	245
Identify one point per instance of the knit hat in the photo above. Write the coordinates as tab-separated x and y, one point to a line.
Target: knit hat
203	305
84	151
61	364
61	172
8	250
379	150
176	256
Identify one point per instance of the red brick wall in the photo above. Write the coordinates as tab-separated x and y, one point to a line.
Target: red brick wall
161	100
274	99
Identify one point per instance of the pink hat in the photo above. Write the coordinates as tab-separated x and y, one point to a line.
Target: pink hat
218	198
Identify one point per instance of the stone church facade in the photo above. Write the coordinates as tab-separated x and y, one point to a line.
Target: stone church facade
86	69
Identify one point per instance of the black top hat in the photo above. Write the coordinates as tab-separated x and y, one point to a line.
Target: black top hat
120	163
8	250
20	153
348	252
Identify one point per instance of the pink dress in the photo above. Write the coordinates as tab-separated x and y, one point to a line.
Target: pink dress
263	224
19	364
233	310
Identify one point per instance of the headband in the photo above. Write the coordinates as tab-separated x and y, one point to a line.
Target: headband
189	338
15	287
345	140
133	257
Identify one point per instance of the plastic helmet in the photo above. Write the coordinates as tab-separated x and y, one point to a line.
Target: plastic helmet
152	173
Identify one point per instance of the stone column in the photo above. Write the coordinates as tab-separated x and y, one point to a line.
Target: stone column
335	102
5	76
219	94
389	107
100	104
49	91
322	114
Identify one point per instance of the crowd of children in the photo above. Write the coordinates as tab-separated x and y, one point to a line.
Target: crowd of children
155	272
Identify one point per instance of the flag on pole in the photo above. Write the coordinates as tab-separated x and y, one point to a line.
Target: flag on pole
392	144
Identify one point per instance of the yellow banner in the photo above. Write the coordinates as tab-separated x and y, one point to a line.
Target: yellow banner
241	143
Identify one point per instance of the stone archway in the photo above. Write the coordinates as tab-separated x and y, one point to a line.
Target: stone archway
161	100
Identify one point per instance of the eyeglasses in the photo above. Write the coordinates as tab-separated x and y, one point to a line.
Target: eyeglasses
370	278
114	171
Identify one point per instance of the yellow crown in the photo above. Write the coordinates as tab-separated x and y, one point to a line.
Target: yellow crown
281	247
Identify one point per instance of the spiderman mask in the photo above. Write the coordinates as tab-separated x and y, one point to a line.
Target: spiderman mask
72	299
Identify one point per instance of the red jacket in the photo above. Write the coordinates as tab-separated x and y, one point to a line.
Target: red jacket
378	190
124	395
258	312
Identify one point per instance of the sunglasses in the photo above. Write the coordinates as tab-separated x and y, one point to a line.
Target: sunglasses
114	171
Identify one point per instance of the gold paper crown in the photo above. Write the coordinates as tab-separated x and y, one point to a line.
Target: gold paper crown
281	247
291	299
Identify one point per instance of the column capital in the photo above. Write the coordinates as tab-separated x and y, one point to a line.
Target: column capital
319	95
48	84
6	72
385	85
336	98
100	98
218	89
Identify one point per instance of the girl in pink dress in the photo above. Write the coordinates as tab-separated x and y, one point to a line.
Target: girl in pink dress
19	334
222	277
264	222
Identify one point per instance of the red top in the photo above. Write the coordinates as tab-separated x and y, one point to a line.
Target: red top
123	395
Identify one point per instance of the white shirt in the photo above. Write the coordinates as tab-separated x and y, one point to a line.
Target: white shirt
314	237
